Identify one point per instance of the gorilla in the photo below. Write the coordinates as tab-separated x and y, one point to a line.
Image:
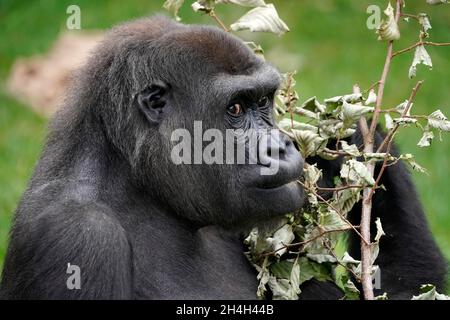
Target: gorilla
107	197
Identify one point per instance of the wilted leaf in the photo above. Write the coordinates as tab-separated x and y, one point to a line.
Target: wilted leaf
348	259
388	29
261	19
308	142
281	238
424	22
286	124
372	98
173	6
437	120
409	158
402	107
405	121
421	56
244	3
203	5
380	231
283	289
428	292
307	113
436	2
351	98
356	172
426	139
263	277
351	113
350	149
389	121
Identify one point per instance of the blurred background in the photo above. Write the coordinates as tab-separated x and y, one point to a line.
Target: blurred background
329	44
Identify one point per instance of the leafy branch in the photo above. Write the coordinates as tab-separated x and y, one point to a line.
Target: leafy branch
303	245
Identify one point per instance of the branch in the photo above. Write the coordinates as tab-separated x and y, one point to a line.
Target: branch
340	188
428	43
366	252
213	15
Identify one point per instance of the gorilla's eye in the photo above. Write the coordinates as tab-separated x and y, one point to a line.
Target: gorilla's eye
235	109
263	101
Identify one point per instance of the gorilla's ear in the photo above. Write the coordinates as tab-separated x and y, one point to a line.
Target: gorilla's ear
152	102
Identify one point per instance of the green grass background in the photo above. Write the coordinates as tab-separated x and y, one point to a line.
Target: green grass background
329	44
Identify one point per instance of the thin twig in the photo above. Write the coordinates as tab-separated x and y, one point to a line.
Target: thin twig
428	43
213	15
391	132
302	243
334	208
331	251
341	188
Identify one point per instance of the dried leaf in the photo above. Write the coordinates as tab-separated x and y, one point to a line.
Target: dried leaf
173	6
244	3
439	121
388	29
421	56
261	19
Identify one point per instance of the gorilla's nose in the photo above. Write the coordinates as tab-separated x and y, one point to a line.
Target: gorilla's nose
276	146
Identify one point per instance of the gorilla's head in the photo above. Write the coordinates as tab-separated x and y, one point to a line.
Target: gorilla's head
156	77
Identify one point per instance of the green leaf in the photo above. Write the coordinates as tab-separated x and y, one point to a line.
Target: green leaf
261	19
282	269
388	29
321	257
310	269
173	6
421	56
314	105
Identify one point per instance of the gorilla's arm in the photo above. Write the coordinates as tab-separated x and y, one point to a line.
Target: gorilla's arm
83	236
408	257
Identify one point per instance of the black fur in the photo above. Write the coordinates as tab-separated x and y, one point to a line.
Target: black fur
105	195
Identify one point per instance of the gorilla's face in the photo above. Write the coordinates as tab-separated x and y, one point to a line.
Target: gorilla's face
212	98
